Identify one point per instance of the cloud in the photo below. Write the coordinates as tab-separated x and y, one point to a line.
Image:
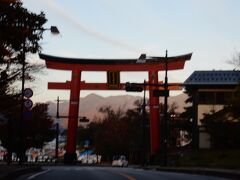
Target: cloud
85	28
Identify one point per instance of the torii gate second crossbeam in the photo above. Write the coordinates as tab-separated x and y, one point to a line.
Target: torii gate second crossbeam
77	65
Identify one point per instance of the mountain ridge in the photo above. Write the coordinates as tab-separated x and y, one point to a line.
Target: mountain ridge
90	105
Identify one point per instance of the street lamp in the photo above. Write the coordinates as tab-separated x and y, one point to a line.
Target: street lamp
54	30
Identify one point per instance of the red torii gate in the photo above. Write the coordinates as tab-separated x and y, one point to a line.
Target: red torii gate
76	65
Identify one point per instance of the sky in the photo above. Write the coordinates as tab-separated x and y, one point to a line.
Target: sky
127	28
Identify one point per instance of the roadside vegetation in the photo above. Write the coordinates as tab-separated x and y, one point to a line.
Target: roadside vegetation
227	159
20	33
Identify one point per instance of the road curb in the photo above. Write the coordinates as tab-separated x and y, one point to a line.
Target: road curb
18	172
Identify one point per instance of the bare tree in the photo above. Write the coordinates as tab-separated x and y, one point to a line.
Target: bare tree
235	59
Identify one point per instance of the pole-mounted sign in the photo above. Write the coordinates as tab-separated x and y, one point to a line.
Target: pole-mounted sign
28	93
28	104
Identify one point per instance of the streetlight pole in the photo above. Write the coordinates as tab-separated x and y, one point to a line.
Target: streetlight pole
54	30
22	56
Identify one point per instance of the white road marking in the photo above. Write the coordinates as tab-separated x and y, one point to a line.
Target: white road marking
37	174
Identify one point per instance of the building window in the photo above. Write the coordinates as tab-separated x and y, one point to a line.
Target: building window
223	97
214	97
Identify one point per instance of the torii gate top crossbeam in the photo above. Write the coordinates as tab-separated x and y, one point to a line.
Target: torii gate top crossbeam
155	63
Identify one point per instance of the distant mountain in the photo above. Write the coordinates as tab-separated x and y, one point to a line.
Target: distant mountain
179	100
90	105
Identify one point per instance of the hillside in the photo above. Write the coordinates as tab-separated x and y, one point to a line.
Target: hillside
89	105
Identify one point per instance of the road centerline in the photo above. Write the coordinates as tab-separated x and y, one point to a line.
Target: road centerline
126	176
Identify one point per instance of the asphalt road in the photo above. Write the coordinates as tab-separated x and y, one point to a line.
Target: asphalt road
108	173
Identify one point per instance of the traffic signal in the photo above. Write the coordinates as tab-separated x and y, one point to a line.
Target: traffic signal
158	93
133	87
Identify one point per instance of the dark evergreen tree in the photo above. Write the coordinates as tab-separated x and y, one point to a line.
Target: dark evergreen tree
20	32
37	130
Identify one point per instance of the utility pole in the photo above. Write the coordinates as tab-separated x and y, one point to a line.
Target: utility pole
22	56
165	122
144	124
9	153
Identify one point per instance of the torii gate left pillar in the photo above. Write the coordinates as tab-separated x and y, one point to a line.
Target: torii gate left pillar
70	155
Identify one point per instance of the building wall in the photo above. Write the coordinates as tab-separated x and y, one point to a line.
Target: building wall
204	140
206	109
211	90
204	137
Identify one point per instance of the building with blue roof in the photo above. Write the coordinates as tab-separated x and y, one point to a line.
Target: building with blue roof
213	78
210	92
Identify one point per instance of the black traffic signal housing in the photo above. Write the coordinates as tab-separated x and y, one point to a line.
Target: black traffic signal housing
133	87
158	93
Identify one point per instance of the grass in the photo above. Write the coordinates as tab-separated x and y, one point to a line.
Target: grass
228	159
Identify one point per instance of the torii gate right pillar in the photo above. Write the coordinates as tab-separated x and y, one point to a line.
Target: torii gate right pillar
154	114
